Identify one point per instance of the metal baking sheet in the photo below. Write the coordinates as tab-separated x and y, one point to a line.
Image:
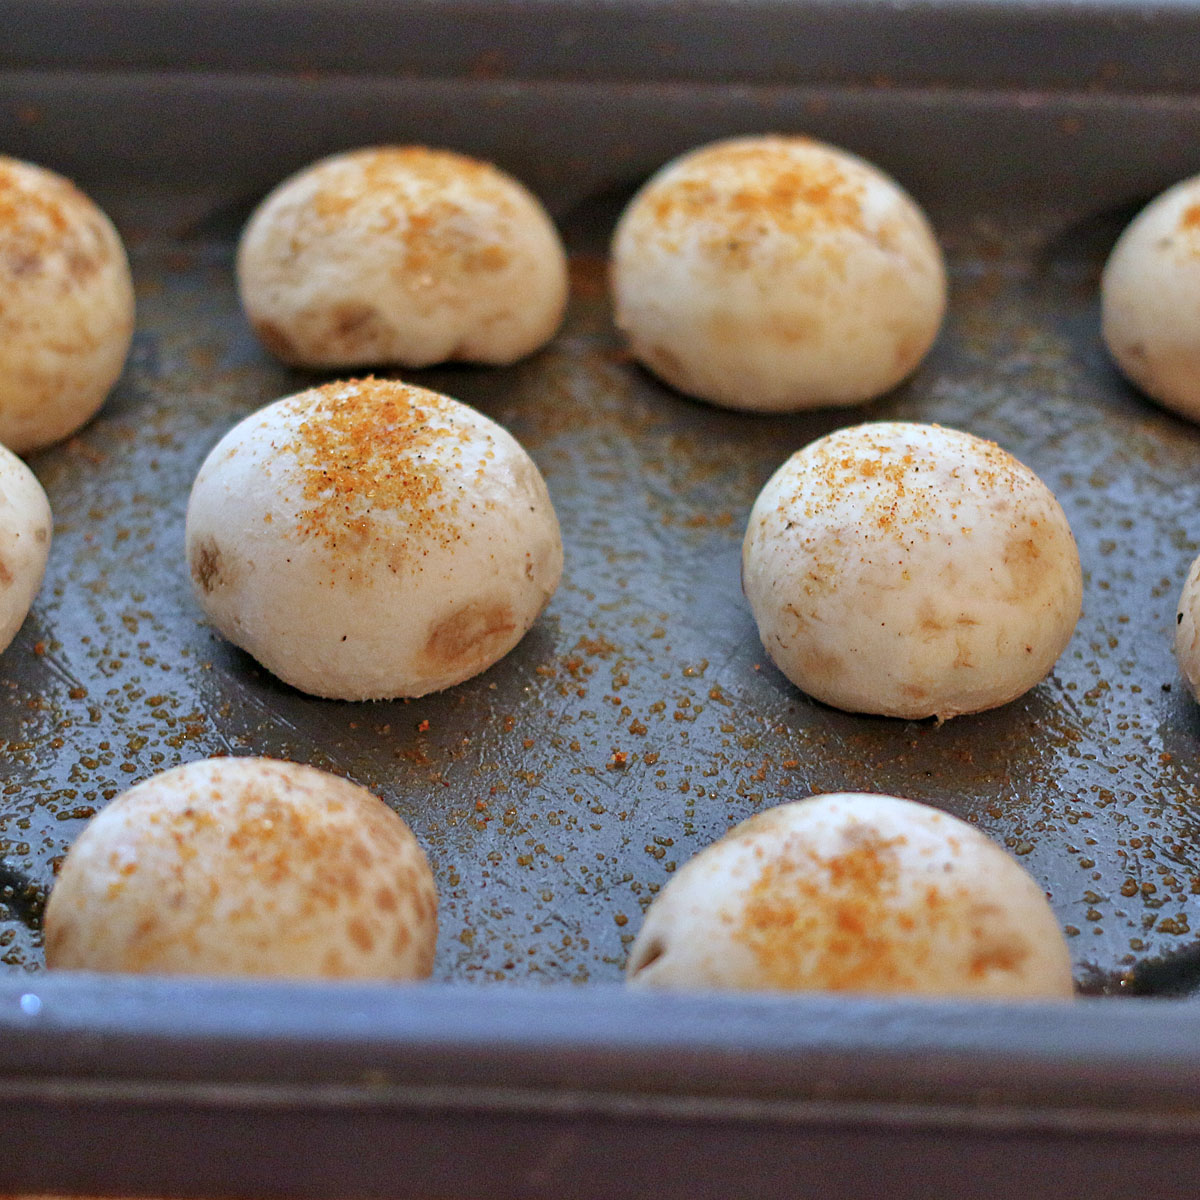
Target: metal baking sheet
639	718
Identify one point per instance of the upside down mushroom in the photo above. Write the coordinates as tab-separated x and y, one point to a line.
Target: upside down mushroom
911	571
66	306
775	274
245	866
369	540
25	531
854	892
403	256
1150	300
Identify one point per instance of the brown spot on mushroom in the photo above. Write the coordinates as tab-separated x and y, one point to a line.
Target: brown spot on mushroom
355	535
1026	569
83	262
795	328
208	566
487	258
276	340
647	955
386	899
470	635
19	264
360	935
909	350
147	926
358	326
997	954
6	576
962	654
929	620
400	940
59	934
819	666
663	362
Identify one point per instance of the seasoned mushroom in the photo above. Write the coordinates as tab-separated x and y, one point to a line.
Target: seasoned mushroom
367	540
910	570
1150	300
775	274
405	256
25	525
1187	630
66	307
245	866
853	892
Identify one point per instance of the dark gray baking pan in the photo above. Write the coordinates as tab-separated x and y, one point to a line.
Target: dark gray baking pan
1031	133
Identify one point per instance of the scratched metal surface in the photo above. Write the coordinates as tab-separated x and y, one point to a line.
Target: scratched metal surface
556	793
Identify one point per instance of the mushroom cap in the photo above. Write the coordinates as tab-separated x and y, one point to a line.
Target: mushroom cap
25	526
1187	630
66	307
854	892
245	866
401	255
369	539
777	274
911	571
1150	300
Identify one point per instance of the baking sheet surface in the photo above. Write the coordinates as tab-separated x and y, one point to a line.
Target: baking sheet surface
640	718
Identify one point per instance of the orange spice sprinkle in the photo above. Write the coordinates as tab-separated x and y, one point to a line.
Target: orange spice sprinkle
901	483
831	919
23	206
789	184
377	445
409	191
41	215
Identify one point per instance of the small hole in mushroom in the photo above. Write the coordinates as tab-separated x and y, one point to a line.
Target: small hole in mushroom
650	954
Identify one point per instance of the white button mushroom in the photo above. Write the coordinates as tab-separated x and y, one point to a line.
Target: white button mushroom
910	570
66	307
245	866
1150	300
402	256
777	273
24	542
853	892
367	540
1187	630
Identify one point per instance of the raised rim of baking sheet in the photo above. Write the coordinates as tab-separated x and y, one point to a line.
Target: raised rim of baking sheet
202	1087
